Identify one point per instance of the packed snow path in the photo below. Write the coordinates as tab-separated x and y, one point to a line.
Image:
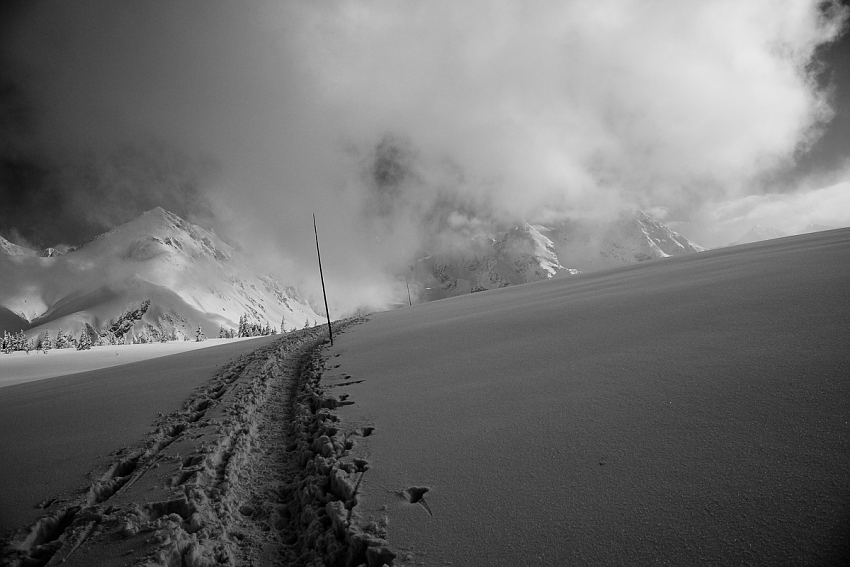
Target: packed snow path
252	470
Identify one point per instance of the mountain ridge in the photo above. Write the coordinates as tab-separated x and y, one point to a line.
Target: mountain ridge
191	276
531	251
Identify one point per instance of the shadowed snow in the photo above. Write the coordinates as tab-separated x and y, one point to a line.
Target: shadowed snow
690	410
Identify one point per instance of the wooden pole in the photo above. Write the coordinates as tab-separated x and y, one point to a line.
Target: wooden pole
322	277
409	301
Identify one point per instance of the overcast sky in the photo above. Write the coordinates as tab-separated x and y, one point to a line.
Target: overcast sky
394	119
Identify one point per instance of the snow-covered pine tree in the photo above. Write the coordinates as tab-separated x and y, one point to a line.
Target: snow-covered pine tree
7	342
46	342
87	338
199	335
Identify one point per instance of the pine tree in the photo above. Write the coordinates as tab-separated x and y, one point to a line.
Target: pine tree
199	335
7	342
28	345
46	342
84	342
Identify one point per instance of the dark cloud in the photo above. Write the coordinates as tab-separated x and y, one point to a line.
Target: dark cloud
59	186
48	202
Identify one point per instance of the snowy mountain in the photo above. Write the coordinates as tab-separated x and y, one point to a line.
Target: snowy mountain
632	237
157	271
759	233
531	252
9	249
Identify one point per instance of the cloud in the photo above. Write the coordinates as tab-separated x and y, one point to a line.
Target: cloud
405	124
553	101
790	212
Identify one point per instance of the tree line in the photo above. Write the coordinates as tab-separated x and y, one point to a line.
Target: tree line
116	332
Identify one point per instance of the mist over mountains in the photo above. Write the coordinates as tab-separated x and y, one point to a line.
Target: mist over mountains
531	252
173	276
159	270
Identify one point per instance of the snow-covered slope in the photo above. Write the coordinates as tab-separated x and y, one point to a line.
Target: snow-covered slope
689	411
189	275
532	252
9	249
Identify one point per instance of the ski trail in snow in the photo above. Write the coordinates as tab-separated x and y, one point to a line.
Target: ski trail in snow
253	469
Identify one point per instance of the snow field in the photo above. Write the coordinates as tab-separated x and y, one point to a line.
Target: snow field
20	367
690	410
251	469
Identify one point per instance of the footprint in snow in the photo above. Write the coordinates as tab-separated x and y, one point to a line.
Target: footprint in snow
416	495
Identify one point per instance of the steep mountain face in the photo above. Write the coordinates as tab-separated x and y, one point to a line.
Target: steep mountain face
188	276
759	233
9	249
531	252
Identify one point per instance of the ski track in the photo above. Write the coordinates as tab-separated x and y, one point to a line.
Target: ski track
254	469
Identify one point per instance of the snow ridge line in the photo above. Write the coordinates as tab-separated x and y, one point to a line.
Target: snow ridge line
319	520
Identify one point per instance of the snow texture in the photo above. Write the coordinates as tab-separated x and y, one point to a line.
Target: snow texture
251	469
688	411
681	412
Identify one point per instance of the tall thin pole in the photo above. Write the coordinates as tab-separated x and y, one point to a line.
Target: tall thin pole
322	277
409	301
